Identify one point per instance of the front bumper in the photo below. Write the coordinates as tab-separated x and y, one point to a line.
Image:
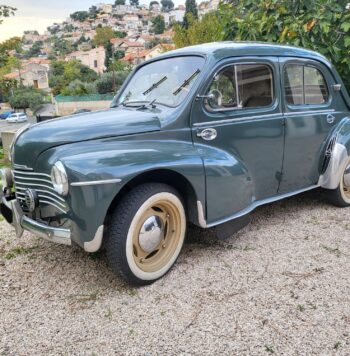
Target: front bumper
13	213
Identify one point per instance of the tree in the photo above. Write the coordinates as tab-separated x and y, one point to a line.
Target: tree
61	47
134	2
167	5
191	10
105	83
93	12
158	24
209	29
103	36
6	11
24	98
13	43
119	2
80	16
108	54
35	50
153	3
120	34
323	26
63	73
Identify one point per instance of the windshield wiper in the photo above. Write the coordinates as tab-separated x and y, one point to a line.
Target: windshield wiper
155	85
186	82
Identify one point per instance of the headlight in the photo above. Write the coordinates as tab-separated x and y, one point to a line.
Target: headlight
6	178
59	178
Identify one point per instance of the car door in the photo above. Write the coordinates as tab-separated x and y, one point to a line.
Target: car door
310	115
237	127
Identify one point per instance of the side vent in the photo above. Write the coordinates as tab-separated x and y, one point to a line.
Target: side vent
328	154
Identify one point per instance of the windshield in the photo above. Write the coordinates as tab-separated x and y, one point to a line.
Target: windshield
166	81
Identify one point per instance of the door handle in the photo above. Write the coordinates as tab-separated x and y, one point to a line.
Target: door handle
330	118
207	134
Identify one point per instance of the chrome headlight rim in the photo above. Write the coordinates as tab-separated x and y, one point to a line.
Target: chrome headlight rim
59	178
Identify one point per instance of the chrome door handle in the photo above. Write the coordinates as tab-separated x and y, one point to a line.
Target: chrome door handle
207	134
330	118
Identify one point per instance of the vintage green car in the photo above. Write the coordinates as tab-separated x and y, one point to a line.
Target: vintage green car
199	135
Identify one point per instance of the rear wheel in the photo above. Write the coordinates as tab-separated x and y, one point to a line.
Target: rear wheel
341	196
146	233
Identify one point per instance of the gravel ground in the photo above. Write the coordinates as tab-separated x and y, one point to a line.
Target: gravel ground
279	286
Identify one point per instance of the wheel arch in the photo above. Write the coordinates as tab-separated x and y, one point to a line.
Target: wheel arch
166	176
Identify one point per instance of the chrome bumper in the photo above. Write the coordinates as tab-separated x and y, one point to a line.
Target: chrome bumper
22	222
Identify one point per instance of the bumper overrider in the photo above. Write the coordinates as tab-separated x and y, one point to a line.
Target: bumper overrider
13	213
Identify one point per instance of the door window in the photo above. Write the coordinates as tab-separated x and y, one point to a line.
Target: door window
241	86
304	85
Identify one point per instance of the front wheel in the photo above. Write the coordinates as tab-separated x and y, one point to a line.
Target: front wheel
341	196
146	233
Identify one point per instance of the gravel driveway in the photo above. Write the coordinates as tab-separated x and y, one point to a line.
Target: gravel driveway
279	286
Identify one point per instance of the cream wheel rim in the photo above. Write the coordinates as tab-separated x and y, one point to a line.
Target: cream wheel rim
156	236
345	183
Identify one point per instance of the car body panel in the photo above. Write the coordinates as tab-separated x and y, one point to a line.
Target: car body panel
111	158
256	158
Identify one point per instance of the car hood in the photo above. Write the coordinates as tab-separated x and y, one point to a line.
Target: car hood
81	127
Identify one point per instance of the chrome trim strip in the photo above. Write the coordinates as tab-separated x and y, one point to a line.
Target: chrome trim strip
259	203
42	191
24	167
294	113
31	178
32	174
95	244
54	205
95	182
236	119
33	185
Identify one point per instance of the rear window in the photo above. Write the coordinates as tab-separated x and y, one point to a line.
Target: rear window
304	85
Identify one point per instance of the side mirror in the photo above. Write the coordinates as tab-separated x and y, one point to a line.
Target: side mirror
209	96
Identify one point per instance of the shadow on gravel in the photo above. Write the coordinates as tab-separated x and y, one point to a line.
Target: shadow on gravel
92	271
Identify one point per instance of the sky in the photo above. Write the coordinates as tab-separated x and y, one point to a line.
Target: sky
38	14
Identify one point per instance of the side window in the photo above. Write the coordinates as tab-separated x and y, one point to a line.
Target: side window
315	86
304	85
241	86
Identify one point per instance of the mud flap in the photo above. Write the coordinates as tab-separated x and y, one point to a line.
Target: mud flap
226	230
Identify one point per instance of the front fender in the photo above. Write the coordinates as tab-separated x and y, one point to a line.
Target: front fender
110	159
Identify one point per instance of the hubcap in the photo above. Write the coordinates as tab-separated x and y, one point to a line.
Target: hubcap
151	233
156	236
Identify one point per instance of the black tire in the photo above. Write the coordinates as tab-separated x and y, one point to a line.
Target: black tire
123	226
336	197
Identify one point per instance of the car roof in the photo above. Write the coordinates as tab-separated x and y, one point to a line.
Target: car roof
221	50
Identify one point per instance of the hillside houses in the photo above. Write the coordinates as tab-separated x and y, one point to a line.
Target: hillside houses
94	58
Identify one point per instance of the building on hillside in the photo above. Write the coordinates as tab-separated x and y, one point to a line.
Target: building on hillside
94	58
124	9
106	8
173	16
31	75
155	8
135	58
207	6
129	46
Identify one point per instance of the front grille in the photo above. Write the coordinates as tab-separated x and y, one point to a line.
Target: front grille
42	184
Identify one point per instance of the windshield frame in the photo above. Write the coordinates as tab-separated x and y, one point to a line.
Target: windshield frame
116	102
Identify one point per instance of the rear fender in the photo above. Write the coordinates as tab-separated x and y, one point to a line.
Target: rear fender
340	153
